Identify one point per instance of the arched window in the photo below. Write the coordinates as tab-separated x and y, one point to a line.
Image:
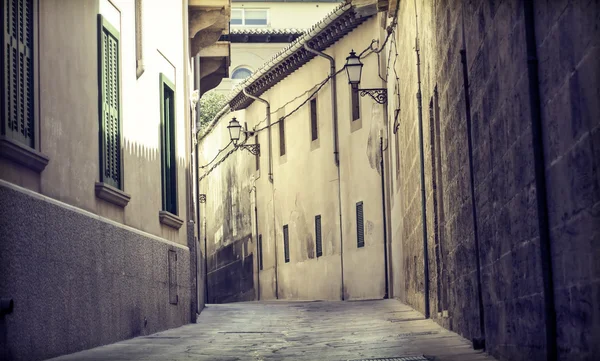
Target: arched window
241	73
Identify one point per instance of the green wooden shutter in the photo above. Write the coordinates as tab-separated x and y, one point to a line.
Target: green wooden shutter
18	93
168	145
110	113
314	128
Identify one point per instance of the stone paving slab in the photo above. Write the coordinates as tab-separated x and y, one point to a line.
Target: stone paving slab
280	330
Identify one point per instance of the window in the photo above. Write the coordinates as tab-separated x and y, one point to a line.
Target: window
360	225
17	103
319	241
167	136
249	17
260	253
286	244
241	73
355	100
138	38
314	127
282	136
110	105
257	156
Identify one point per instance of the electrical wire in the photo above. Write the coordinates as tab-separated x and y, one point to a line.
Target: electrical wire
363	54
216	156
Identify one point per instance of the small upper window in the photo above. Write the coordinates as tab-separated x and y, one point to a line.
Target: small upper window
249	17
241	73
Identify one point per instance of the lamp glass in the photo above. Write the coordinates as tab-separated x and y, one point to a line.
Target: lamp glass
353	68
234	130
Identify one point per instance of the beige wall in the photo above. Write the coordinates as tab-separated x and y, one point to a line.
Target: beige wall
68	106
305	184
282	15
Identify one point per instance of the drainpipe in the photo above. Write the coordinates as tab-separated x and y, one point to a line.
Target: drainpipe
197	183
257	250
336	149
423	205
385	256
478	343
245	90
540	181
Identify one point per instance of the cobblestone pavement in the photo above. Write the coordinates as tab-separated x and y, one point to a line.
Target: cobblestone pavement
295	331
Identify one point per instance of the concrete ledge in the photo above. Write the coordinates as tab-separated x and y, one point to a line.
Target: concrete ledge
112	194
22	154
169	219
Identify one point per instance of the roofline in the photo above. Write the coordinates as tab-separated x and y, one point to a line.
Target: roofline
338	23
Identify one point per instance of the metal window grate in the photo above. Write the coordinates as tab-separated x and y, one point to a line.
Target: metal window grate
360	225
319	241
286	244
260	252
314	128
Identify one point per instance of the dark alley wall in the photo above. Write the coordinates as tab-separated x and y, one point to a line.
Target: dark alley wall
229	234
493	37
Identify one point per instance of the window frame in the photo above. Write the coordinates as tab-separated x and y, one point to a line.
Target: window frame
139	40
314	119
318	236
360	226
282	145
260	253
286	244
164	81
243	17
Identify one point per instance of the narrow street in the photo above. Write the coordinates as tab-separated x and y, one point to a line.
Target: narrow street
296	331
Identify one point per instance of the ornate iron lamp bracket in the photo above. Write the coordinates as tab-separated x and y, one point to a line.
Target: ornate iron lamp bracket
254	149
378	94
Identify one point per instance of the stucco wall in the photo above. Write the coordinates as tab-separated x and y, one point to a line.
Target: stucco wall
69	110
305	185
83	271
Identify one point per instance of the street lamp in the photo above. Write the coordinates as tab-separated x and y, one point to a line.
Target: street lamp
354	72
235	130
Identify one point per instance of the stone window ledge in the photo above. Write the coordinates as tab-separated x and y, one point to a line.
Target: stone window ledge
169	219
112	194
22	154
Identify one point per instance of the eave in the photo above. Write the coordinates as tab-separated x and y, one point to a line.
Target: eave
324	34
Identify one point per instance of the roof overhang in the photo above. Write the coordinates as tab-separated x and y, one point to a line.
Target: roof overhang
320	37
208	20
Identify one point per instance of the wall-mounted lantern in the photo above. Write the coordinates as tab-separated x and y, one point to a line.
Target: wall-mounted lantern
354	72
235	131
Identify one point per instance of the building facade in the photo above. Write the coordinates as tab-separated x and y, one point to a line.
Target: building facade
490	181
260	29
97	220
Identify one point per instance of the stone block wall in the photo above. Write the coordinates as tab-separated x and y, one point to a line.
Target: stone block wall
492	35
79	281
567	35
